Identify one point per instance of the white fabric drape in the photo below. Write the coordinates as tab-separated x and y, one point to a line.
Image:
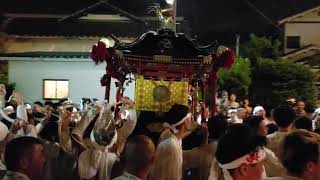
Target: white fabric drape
168	160
3	114
126	130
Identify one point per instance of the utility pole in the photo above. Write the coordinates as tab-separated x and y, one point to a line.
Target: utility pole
237	45
175	2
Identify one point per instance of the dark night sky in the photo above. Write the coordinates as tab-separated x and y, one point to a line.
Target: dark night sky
208	18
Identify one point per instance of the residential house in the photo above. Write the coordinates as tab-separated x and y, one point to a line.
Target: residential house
301	30
48	55
301	38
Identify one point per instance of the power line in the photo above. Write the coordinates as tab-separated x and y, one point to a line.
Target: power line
261	14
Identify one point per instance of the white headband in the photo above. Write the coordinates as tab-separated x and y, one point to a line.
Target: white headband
100	147
251	158
257	109
173	126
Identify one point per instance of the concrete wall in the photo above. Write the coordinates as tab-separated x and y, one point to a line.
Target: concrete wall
84	78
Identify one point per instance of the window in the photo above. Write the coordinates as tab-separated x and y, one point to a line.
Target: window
55	89
293	42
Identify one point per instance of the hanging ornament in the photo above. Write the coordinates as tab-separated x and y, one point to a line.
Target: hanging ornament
101	51
225	57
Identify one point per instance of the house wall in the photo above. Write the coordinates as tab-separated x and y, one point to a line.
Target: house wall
84	78
307	27
309	34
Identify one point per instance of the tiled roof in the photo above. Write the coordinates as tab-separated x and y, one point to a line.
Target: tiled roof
48	54
50	26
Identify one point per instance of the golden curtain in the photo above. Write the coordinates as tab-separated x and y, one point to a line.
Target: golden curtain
159	95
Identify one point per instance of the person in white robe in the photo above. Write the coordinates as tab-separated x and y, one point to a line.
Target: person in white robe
300	156
238	157
3	114
20	126
128	117
201	157
26	129
4	131
96	162
284	117
271	163
139	156
168	158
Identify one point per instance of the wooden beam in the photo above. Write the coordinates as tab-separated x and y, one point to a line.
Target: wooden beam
125	13
81	12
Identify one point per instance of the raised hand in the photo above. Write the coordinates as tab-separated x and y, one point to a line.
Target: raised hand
18	96
127	102
18	124
3	91
66	117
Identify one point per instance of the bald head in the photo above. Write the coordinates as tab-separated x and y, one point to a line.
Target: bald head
139	153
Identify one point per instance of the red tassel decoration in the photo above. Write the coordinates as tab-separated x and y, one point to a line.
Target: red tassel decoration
100	53
228	58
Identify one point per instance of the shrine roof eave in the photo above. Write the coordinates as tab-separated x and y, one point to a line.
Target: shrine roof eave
164	42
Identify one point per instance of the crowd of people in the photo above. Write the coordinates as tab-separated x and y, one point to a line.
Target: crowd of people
102	141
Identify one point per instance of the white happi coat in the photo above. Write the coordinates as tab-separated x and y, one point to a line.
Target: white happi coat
168	160
11	175
96	163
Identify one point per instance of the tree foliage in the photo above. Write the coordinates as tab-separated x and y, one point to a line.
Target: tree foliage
258	47
236	80
273	82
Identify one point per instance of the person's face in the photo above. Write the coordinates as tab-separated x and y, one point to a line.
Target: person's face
187	124
224	94
60	109
252	171
300	105
48	108
36	162
2	90
233	97
37	108
263	129
246	102
242	113
218	109
314	170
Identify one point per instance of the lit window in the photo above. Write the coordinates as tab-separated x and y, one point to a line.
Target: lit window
55	89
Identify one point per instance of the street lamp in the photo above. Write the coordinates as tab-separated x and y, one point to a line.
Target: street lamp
170	2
